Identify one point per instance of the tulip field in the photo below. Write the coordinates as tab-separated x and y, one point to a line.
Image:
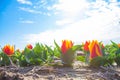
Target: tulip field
96	54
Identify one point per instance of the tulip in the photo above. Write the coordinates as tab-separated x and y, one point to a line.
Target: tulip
119	45
103	46
29	46
94	49
18	50
86	48
66	44
9	50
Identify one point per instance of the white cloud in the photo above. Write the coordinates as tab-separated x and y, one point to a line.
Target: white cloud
27	21
113	0
102	23
41	7
88	29
72	7
64	21
25	2
30	10
70	10
34	11
46	13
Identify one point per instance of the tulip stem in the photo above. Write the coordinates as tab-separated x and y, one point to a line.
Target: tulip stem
11	63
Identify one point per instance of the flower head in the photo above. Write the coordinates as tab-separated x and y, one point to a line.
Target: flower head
94	49
119	45
103	46
66	44
9	50
86	48
29	46
18	50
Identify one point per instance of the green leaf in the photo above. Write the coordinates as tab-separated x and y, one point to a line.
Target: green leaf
98	61
81	58
28	55
116	48
37	49
4	59
117	60
50	53
57	53
57	46
115	45
44	55
50	50
76	47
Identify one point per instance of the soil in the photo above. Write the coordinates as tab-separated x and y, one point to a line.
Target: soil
79	71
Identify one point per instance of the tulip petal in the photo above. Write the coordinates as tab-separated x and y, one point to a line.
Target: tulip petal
9	50
66	44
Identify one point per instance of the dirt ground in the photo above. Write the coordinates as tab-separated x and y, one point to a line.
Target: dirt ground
79	71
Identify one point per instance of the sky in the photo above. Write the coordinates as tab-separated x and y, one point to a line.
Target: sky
31	21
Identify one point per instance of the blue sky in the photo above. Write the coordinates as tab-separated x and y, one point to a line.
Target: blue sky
31	21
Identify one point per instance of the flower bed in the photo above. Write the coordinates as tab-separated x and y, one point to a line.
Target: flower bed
96	54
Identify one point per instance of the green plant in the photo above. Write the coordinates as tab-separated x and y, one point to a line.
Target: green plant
57	51
4	59
81	58
44	54
40	54
98	61
117	59
116	51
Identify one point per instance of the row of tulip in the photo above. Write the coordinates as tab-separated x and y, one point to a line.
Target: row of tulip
96	53
102	55
29	56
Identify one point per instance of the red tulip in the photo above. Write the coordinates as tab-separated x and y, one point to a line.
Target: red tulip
95	50
86	48
66	44
9	50
103	46
29	46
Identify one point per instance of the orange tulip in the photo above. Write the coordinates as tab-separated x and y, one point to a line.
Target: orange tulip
66	44
86	48
29	46
9	50
119	45
18	50
94	49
